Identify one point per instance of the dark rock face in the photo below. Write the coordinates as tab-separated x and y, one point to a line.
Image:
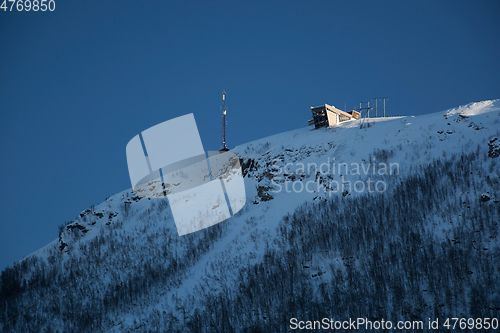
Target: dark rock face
494	147
262	193
485	197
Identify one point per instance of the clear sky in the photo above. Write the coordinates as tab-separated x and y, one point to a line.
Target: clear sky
78	83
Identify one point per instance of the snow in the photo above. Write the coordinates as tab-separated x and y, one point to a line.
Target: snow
409	142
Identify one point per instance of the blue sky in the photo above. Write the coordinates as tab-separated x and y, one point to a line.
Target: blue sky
78	83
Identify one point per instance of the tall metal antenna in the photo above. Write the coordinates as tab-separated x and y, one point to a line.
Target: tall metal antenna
223	147
368	108
384	98
367	114
384	103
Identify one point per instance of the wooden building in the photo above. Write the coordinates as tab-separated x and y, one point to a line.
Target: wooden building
327	116
354	114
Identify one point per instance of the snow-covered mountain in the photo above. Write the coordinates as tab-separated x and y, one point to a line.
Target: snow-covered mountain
397	220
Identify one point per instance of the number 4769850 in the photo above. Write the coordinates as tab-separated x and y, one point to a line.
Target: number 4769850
27	5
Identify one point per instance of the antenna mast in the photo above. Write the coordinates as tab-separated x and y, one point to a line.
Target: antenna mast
367	114
376	99
223	147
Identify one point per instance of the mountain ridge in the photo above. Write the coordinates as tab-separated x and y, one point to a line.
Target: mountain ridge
126	260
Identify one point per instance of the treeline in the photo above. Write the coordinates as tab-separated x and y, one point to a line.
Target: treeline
426	248
84	288
429	248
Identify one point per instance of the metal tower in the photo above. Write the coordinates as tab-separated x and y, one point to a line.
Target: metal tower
376	99
223	146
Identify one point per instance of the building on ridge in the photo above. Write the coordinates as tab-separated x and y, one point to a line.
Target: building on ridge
327	116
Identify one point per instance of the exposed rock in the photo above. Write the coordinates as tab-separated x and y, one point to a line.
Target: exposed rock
485	197
494	147
249	166
263	194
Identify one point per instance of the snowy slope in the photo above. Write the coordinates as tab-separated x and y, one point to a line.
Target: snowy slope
127	241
